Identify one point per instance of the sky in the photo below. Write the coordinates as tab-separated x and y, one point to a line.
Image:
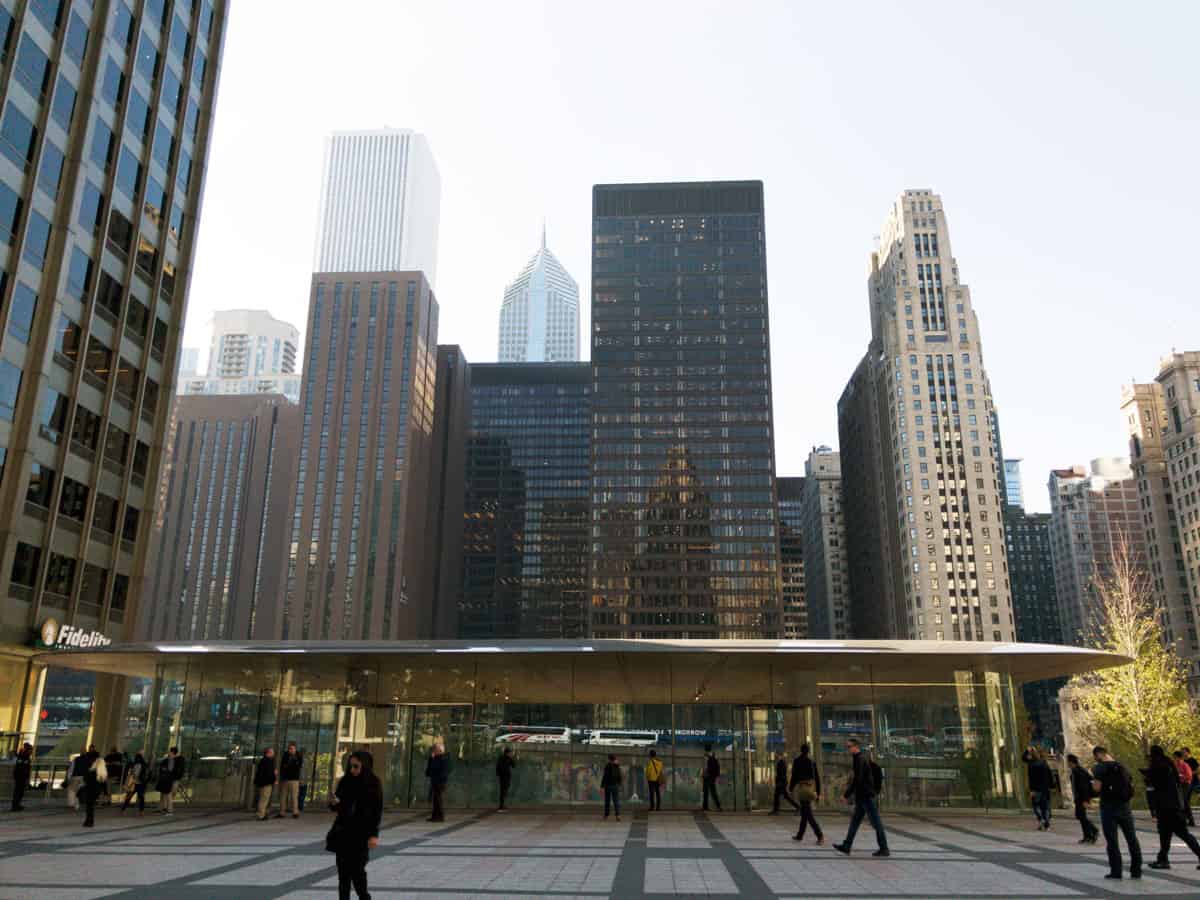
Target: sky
1062	137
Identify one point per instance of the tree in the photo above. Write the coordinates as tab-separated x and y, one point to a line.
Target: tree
1128	708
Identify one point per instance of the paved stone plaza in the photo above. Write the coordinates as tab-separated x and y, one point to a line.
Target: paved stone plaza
44	853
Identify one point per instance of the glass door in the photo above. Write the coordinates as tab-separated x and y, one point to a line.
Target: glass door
771	731
451	727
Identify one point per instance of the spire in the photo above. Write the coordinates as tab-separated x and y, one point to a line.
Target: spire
543	232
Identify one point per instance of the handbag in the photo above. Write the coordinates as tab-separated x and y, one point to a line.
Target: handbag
806	791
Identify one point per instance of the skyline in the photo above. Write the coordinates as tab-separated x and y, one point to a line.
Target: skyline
836	160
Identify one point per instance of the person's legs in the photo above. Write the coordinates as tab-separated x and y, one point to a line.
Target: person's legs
168	800
1184	835
295	801
345	870
1125	821
706	786
1166	829
503	792
18	795
141	795
607	801
89	800
359	877
439	814
855	820
616	792
872	806
1108	824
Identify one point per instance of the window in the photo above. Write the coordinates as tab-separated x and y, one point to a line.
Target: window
10	386
176	229
164	145
41	485
120	595
158	343
139	119
60	575
18	137
129	173
108	295
37	239
112	88
26	562
130	529
85	430
79	275
156	198
199	70
127	379
172	93
48	12
120	233
20	316
150	399
32	67
75	43
10	212
66	341
104	145
141	459
147	256
184	175
91	588
99	359
181	40
137	319
116	446
50	175
157	11
123	30
191	120
53	421
91	206
72	501
147	58
104	516
63	108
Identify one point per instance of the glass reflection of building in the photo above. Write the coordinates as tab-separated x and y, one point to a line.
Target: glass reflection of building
682	391
791	557
525	511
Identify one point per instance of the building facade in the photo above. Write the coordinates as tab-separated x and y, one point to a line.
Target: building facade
525	513
251	352
1162	419
790	492
685	526
451	425
359	560
1093	512
380	204
539	320
1014	493
217	551
823	532
105	114
921	465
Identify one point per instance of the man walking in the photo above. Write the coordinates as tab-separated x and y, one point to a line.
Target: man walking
504	773
438	771
806	782
654	774
264	781
712	772
114	761
1113	783
290	767
781	784
610	783
170	772
1163	776
1081	790
863	787
22	768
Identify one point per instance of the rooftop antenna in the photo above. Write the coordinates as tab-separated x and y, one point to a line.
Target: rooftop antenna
543	232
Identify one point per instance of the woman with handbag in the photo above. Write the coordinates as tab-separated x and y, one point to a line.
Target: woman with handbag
136	775
806	788
358	802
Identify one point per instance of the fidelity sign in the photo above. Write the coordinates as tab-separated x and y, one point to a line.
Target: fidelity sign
68	637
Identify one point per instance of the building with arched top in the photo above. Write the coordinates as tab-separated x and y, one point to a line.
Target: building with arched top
539	321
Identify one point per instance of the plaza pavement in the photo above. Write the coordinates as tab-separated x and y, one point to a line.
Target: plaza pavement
203	853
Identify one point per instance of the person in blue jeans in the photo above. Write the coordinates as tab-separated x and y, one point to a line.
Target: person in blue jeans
1041	779
610	782
863	787
1113	784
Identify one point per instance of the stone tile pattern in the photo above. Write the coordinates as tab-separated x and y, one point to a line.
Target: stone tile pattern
202	853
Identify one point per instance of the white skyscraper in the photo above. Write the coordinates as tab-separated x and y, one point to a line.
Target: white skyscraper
380	204
251	352
539	321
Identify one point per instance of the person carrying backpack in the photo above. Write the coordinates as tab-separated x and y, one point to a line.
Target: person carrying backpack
866	781
1081	789
610	782
1114	785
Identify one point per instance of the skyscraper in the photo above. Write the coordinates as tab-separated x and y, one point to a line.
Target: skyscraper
1014	494
921	469
360	564
1093	512
539	321
251	352
380	204
1163	418
105	122
791	557
823	531
685	527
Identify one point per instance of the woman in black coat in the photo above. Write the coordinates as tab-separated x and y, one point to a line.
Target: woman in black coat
358	802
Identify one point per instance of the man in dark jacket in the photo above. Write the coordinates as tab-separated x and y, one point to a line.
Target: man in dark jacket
712	772
358	802
1041	780
264	781
610	783
1081	790
438	771
1163	776
863	789
1113	783
114	761
290	768
504	772
22	768
781	784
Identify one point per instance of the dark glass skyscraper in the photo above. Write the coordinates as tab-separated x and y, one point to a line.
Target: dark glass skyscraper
526	507
684	530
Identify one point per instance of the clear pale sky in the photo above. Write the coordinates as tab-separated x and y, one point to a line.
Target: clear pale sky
1063	137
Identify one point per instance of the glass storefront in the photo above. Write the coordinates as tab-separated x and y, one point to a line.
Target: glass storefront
943	729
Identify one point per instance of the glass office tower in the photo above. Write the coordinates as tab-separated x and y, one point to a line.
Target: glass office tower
684	532
105	112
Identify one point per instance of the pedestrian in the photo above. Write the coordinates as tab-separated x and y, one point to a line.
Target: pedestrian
654	780
781	784
1114	785
1194	765
358	802
709	777
504	772
114	761
171	769
290	768
438	772
265	778
806	782
1168	794
22	768
610	783
1041	780
94	780
137	773
866	781
1186	776
1081	790
79	765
